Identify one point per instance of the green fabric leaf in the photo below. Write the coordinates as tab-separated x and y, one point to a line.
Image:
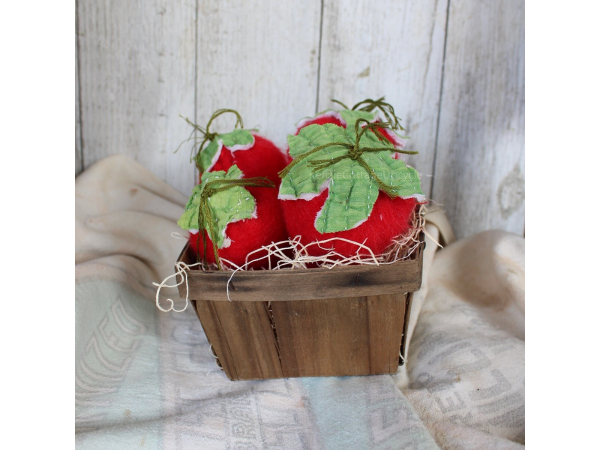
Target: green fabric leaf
237	138
352	190
302	179
206	157
227	206
394	172
350	200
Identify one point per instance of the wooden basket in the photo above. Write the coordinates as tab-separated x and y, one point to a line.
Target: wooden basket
348	320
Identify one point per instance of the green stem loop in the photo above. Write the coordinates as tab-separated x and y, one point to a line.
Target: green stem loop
205	217
354	152
369	105
207	135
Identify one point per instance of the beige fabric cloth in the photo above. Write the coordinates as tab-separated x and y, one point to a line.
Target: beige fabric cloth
146	378
467	354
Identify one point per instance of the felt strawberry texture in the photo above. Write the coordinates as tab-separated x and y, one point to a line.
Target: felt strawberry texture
263	159
321	119
249	234
389	219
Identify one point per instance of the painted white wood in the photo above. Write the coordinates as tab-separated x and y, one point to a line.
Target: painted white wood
137	74
479	171
391	48
143	63
261	61
78	160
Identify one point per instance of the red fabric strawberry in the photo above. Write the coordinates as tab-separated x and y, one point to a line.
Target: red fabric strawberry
312	211
254	156
249	234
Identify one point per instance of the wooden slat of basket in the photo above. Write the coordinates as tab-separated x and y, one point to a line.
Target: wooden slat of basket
242	337
349	336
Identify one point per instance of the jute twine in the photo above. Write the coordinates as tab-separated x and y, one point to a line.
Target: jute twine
369	105
205	134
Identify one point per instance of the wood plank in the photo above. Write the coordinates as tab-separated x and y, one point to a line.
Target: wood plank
242	338
305	284
392	48
479	172
261	62
335	337
349	281
385	328
78	154
137	74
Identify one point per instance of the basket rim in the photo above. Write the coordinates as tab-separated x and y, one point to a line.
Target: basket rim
290	284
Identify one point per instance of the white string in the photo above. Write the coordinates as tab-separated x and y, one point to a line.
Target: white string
177	235
181	269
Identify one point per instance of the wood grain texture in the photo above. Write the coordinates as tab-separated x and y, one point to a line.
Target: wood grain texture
137	74
261	61
391	48
78	150
344	336
350	281
242	338
303	284
479	171
288	323
329	337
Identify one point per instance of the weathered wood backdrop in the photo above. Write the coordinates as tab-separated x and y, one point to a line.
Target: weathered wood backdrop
454	69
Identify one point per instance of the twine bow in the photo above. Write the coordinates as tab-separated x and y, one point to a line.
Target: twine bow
369	105
354	153
207	135
205	216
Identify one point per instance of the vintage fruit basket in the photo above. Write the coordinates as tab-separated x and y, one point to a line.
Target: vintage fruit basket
347	320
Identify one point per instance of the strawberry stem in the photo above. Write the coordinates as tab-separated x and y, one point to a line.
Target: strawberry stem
369	105
206	134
